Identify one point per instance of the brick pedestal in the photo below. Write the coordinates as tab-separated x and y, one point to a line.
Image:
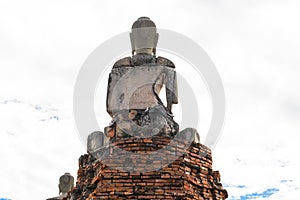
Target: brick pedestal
175	173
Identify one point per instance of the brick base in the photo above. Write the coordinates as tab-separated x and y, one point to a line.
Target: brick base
188	176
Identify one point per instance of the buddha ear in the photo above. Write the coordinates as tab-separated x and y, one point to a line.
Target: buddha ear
155	43
156	39
132	43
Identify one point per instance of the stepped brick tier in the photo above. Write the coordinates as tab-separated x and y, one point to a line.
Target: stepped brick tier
188	173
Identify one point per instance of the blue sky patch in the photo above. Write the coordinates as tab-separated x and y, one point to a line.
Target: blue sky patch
265	194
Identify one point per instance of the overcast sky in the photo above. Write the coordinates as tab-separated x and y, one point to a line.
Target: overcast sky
255	46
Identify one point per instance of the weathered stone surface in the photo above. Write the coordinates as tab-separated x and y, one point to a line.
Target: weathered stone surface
95	141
